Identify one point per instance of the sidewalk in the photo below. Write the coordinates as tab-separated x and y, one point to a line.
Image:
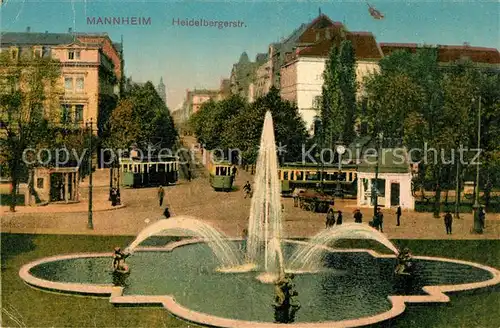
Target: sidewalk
83	206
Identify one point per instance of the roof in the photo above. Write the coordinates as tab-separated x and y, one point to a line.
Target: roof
364	44
475	54
449	53
319	23
31	38
393	160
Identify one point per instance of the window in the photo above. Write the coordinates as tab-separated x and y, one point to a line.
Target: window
45	52
78	113
285	175
37	52
68	83
14	53
39	183
73	54
79	84
317	102
65	113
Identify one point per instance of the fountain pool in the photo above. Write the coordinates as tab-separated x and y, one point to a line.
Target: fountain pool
215	281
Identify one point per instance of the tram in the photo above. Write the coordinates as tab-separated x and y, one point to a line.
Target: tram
221	178
138	173
308	176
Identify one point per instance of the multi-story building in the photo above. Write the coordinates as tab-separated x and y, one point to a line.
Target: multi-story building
263	81
243	74
224	89
302	72
91	71
301	77
195	99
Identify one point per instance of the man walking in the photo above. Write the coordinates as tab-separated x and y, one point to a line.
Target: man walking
358	216
166	213
482	216
398	216
448	220
295	196
380	220
330	218
161	195
247	189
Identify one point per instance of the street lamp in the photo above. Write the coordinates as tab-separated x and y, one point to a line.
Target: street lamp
375	187
89	126
478	227
340	150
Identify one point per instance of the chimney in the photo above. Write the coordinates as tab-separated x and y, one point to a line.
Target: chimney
70	30
28	29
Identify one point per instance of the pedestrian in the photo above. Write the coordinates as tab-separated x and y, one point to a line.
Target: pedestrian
330	218
339	217
358	216
482	216
166	213
398	215
161	194
247	188
234	171
448	220
380	220
295	196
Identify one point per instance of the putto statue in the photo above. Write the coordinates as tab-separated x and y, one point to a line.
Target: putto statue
119	265
285	301
405	265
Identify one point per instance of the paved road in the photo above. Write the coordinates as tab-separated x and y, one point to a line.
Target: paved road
227	212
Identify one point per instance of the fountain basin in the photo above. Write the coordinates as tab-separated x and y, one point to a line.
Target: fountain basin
348	293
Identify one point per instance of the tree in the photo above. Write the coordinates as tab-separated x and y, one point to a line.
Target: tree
29	90
234	124
348	89
124	131
141	118
331	116
244	130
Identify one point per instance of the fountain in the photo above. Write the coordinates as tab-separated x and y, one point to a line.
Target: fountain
209	281
265	212
307	258
227	255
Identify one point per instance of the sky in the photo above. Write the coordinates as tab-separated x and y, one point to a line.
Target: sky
199	57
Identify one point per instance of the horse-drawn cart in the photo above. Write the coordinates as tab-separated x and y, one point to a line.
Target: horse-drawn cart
314	201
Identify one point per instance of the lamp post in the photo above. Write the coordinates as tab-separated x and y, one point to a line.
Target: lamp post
89	125
375	186
478	227
340	150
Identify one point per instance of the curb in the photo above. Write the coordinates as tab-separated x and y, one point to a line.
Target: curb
7	212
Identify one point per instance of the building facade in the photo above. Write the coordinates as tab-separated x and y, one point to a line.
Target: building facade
91	72
194	100
302	73
263	81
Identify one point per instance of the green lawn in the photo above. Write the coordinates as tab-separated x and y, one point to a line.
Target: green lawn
23	306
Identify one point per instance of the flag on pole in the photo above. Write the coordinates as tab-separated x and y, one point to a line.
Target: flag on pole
374	12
